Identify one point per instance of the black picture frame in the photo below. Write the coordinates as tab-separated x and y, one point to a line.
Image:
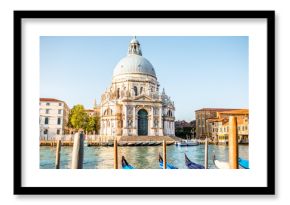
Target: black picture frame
19	189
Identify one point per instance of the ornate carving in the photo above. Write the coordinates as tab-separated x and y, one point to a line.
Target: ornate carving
130	110
130	122
155	123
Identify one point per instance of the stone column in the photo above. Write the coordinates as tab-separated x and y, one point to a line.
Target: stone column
151	127
134	121
125	127
161	131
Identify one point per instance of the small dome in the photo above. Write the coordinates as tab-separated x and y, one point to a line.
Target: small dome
134	40
134	64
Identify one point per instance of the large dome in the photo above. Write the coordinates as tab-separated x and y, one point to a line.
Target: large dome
134	64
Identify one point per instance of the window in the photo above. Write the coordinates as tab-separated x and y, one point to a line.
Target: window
59	111
45	131
46	121
135	91
58	121
141	89
47	111
47	103
58	131
246	127
60	104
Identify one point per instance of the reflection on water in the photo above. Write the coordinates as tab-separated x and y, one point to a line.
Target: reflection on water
143	157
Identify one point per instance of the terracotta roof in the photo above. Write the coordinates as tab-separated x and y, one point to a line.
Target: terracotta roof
216	109
239	111
49	100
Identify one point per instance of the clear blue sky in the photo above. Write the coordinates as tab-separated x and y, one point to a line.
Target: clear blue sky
196	72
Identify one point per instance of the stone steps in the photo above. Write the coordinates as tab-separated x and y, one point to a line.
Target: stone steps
145	138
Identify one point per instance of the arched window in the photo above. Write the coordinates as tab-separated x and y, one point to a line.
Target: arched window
105	113
135	91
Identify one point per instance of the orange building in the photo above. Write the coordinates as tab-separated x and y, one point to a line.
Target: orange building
220	126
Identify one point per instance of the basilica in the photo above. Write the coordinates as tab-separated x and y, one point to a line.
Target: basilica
133	105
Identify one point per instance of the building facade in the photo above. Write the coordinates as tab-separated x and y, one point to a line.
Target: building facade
220	126
203	128
213	123
133	105
53	118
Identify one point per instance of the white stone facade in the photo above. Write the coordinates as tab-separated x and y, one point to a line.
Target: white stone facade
53	118
132	105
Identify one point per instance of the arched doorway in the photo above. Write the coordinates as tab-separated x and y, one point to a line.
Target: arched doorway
142	122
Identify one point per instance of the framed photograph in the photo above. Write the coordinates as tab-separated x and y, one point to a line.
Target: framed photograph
144	102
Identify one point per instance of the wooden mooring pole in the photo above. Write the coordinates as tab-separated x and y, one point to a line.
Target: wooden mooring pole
57	154
115	154
164	154
206	154
78	151
233	143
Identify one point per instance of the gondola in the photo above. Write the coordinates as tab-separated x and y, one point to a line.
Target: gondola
168	166
192	165
244	163
225	165
125	164
220	164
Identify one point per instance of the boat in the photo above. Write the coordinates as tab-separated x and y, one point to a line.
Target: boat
122	144
151	143
192	165
138	143
145	143
158	143
225	165
187	143
220	164
168	166
125	164
244	163
170	143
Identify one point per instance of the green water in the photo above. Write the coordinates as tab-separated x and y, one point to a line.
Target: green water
141	157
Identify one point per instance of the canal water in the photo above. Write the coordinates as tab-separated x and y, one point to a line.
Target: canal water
141	157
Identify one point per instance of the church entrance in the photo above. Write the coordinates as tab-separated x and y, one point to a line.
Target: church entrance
142	122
